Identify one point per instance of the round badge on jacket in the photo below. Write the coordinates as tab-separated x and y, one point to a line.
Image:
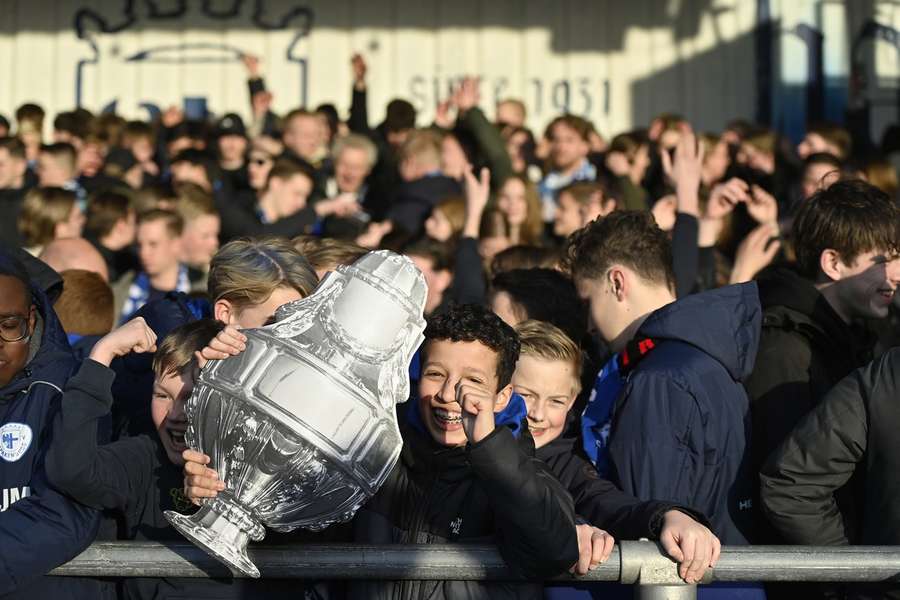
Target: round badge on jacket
15	439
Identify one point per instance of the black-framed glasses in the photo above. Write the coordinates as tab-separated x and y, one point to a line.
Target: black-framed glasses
13	329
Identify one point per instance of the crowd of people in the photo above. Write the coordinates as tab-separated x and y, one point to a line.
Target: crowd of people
688	337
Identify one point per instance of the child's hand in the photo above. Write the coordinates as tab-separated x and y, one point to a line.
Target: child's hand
133	336
594	548
228	342
199	481
690	544
477	404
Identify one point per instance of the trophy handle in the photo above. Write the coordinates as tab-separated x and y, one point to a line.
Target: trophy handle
223	530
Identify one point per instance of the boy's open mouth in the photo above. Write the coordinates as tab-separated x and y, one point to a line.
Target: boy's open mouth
446	419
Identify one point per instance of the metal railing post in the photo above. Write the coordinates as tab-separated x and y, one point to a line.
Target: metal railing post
653	574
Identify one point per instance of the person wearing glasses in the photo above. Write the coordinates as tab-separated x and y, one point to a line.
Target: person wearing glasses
40	528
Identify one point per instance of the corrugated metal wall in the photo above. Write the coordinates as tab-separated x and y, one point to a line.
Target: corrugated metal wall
616	61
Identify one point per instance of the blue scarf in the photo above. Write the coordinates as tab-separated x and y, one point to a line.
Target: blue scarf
597	416
139	291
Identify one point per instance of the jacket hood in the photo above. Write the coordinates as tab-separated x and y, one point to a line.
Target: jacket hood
724	323
51	359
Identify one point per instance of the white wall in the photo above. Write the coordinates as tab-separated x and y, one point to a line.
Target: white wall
615	61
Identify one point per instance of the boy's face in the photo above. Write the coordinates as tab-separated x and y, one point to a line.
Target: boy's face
568	215
867	287
548	388
447	364
170	392
200	240
158	250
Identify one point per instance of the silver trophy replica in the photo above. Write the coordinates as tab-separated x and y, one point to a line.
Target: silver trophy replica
301	426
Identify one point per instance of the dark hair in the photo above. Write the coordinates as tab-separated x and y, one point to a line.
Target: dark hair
823	158
524	257
438	252
545	295
14	146
176	351
629	237
61	150
71	123
400	115
475	323
30	112
104	210
286	168
578	124
850	217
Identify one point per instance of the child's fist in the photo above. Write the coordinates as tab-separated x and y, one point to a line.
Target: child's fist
133	336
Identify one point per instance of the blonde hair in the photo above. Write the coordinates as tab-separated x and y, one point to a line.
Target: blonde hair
422	144
42	210
192	201
328	253
454	209
548	342
176	352
246	271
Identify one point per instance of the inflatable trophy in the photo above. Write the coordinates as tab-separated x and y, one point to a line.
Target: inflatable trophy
301	426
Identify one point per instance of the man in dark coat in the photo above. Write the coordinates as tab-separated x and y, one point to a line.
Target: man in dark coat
846	238
852	433
13	167
40	529
669	417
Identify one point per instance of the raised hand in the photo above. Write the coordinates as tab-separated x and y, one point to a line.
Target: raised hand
134	336
478	192
442	116
755	253
228	342
251	63
725	196
685	171
762	206
690	544
594	548
477	403
199	480
467	94
358	64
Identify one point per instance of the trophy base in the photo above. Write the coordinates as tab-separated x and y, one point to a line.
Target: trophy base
211	530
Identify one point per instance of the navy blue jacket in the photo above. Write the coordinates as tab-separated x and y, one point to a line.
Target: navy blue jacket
40	529
681	423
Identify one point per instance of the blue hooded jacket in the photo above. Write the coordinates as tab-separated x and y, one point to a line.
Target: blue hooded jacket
40	528
680	426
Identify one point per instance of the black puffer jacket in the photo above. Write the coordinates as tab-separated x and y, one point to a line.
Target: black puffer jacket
598	501
490	492
853	431
805	349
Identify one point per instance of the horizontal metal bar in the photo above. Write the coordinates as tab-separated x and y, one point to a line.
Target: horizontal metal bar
475	563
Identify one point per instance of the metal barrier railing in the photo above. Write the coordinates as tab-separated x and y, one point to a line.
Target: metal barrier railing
639	563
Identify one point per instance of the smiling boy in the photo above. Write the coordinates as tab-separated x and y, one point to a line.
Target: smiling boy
466	472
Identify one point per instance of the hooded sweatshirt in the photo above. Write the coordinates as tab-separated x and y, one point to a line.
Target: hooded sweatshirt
681	422
40	528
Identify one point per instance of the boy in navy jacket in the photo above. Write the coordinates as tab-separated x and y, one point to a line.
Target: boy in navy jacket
40	528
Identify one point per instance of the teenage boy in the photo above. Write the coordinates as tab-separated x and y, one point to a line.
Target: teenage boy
465	473
159	250
138	477
847	241
667	417
40	529
548	378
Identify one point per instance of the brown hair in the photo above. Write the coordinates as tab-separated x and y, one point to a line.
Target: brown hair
192	201
454	209
86	305
104	210
629	237
171	219
883	175
286	168
835	135
524	257
135	130
246	271
176	352
14	146
327	253
548	342
851	217
42	210
533	226
581	126
422	142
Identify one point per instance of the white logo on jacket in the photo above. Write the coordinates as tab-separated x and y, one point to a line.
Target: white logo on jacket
15	439
13	495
